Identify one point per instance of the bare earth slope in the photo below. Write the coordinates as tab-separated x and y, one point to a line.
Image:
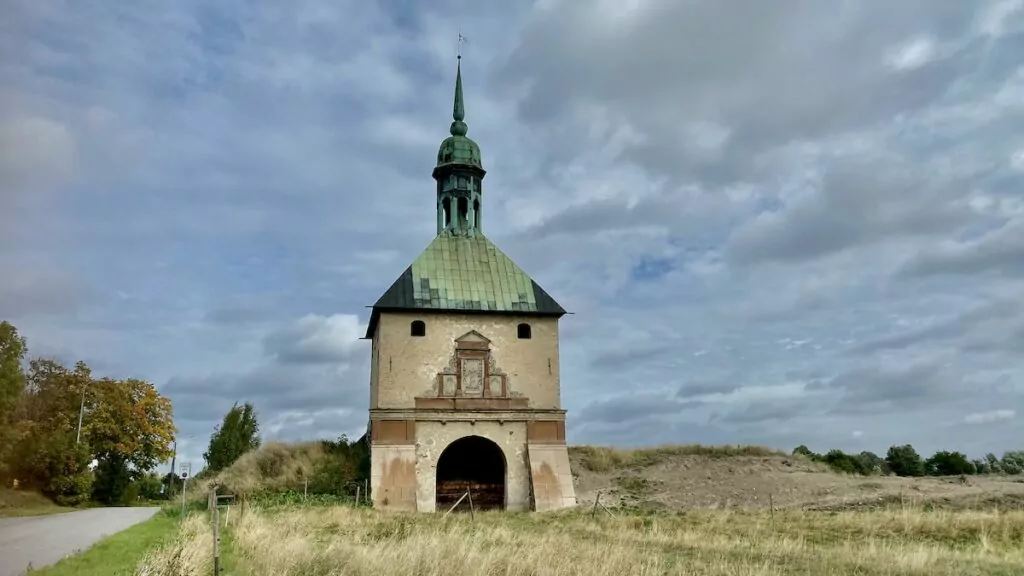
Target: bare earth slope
44	540
682	481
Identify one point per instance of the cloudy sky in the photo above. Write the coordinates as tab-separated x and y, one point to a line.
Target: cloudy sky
775	222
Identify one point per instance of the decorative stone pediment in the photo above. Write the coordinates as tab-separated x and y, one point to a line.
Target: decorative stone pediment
472	340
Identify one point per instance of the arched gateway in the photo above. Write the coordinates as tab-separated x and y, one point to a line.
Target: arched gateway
471	463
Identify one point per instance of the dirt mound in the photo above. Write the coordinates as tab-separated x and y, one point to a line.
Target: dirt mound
687	477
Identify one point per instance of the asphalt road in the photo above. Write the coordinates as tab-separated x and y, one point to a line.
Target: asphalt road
44	540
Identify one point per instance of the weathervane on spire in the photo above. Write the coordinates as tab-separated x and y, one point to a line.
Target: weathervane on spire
458	50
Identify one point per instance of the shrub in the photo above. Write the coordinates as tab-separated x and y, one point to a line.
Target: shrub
944	463
904	461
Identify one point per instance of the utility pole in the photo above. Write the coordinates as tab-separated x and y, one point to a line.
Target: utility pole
81	411
174	457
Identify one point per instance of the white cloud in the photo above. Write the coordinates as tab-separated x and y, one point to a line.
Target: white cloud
911	54
990	416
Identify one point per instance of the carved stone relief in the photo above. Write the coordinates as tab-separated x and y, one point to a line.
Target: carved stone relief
471	372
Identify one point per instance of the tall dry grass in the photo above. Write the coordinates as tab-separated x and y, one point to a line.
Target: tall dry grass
605	459
336	541
190	553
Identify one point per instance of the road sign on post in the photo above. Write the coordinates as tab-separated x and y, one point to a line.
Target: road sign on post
184	471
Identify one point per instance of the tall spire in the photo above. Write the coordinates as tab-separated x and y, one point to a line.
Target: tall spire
458	127
459	173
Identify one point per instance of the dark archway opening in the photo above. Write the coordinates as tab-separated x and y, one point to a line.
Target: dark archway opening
475	464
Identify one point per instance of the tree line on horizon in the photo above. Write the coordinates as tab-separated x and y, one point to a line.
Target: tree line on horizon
904	460
77	438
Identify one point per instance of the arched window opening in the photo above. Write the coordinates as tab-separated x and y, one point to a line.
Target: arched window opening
446	205
418	328
476	214
463	213
524	332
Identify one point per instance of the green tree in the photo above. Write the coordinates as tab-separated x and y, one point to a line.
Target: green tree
904	461
113	478
945	463
872	463
129	421
992	464
47	454
12	386
151	487
130	428
12	380
1013	462
803	450
236	435
843	462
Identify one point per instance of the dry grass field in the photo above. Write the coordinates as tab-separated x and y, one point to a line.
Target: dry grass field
351	541
678	510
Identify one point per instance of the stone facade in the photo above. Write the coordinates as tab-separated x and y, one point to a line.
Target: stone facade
406	367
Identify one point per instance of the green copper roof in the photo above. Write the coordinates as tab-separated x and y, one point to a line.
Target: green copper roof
459	273
459	150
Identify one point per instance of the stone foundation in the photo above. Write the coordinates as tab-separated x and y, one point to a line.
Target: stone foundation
403	476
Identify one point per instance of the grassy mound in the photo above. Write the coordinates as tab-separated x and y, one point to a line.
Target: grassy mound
321	467
26	503
274	467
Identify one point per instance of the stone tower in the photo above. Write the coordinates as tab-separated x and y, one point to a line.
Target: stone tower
464	382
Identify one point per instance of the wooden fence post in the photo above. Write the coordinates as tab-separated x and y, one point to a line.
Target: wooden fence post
215	516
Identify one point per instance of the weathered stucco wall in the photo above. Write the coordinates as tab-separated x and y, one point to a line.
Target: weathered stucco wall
433	437
407	366
551	477
393	477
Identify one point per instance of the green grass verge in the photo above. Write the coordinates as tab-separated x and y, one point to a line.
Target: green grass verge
118	554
